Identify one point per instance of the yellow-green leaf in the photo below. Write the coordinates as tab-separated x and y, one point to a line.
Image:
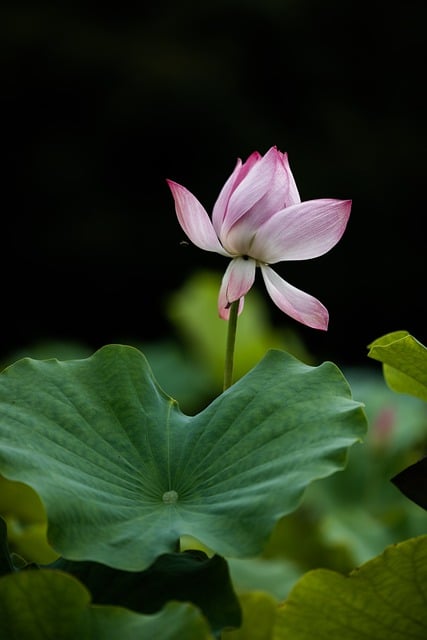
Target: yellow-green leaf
404	362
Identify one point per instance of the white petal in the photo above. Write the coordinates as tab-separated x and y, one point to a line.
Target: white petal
239	173
224	311
220	206
239	238
292	195
302	231
295	303
194	220
237	280
255	185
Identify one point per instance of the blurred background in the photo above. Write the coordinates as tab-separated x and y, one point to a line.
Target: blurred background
102	104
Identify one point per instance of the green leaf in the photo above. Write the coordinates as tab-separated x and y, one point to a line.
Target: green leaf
385	599
359	511
25	517
10	562
404	362
259	616
123	473
275	576
183	376
188	577
51	605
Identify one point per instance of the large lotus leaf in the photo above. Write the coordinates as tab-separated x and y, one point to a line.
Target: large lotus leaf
52	605
123	473
404	362
385	599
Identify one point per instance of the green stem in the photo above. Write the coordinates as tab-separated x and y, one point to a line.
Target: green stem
231	341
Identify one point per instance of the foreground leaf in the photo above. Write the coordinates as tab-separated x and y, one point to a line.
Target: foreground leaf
51	605
123	473
385	599
186	577
404	362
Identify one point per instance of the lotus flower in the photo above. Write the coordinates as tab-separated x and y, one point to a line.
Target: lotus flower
259	220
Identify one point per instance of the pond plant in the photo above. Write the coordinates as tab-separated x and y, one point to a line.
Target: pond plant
155	522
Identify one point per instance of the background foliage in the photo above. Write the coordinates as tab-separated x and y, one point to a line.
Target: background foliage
103	103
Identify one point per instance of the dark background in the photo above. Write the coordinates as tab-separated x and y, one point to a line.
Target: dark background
102	104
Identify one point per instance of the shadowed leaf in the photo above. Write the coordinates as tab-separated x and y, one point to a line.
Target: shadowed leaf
51	605
187	577
6	563
412	482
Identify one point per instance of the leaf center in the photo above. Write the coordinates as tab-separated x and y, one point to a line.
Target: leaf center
170	497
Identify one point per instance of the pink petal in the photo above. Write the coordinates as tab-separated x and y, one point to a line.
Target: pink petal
295	303
236	282
224	312
247	165
240	237
258	182
292	196
194	220
302	231
221	204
